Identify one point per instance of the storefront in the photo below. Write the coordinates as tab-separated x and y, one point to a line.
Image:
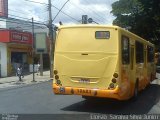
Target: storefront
18	49
19	55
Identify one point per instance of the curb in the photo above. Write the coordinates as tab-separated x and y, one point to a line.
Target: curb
7	82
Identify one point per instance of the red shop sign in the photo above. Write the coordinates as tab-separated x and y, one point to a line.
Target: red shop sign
20	37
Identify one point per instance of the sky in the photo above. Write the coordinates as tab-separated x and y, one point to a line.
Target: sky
98	10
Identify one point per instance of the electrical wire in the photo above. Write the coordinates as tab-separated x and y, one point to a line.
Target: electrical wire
29	24
60	10
25	19
99	17
66	14
95	13
57	9
84	10
36	2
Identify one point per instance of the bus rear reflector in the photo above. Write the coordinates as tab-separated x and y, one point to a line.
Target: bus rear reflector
61	89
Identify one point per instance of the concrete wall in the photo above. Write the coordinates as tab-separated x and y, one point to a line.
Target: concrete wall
3	59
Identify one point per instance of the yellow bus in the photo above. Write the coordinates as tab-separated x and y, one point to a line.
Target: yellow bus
101	61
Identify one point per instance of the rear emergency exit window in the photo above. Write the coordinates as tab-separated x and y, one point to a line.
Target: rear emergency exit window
102	34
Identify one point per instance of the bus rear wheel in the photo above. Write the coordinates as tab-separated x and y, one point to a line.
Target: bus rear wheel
135	95
85	97
151	78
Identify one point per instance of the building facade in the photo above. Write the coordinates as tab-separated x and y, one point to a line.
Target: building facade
16	38
4	8
15	50
16	42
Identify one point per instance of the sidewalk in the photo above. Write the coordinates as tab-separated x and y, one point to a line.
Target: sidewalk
28	79
157	80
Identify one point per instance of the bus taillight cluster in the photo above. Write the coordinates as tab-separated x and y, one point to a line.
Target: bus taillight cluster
113	84
56	76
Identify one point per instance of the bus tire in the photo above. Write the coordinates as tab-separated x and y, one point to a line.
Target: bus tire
87	97
151	79
135	94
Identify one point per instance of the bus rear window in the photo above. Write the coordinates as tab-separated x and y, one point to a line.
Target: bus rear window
102	34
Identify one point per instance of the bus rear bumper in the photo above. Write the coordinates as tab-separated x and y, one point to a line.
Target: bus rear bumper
105	93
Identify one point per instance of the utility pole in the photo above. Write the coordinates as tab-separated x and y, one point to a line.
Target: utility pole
51	38
33	49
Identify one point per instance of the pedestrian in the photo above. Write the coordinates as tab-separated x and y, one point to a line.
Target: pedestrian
16	67
20	72
38	68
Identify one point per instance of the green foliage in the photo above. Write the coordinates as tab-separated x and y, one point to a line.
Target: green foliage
141	17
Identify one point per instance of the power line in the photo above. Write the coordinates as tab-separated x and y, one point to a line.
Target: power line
94	11
36	2
18	11
24	30
84	10
60	10
18	17
24	24
55	8
24	17
65	13
43	23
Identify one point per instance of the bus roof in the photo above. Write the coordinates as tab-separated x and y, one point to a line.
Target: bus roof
86	25
107	26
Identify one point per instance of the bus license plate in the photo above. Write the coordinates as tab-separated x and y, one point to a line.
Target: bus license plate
84	80
84	91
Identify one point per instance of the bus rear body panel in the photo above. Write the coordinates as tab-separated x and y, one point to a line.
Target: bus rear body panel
86	58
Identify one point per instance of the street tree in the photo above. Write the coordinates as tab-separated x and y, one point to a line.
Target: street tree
141	17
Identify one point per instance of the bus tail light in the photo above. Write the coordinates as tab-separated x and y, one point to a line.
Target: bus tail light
113	83
55	72
115	75
114	80
58	82
56	77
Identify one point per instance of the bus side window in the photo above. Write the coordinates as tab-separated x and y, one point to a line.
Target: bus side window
139	52
150	52
125	50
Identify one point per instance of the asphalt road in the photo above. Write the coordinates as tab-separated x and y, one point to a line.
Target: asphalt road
39	99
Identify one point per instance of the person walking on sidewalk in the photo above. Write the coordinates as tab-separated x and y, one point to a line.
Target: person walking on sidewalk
38	68
19	73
